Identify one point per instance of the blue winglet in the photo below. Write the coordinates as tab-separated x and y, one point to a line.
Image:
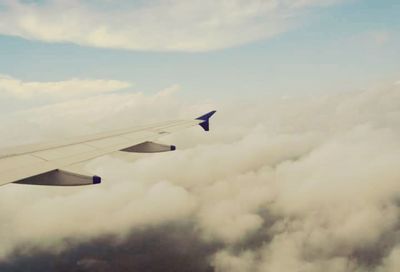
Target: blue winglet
206	118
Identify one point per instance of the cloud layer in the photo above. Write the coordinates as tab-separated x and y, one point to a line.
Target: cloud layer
156	25
305	184
60	90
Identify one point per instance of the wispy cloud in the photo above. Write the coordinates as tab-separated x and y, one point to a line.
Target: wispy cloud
154	25
71	88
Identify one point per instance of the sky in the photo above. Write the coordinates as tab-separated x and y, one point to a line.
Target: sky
285	49
298	173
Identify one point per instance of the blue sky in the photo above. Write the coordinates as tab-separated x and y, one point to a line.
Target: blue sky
345	46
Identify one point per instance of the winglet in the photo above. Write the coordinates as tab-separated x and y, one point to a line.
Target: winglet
206	120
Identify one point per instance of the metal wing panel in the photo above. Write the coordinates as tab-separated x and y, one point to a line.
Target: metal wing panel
107	142
16	162
61	152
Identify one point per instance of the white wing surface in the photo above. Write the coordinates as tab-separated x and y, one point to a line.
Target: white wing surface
48	164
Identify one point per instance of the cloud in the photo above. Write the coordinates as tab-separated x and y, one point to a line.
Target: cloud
93	112
60	90
157	25
300	184
167	249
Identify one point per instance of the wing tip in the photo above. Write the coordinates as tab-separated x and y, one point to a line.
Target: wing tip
206	116
206	120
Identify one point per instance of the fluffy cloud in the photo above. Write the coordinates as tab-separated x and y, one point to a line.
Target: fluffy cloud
157	25
72	88
305	184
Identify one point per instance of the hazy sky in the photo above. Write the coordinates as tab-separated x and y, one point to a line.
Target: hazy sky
212	49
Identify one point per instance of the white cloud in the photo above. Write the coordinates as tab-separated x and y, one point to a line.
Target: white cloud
224	261
71	88
80	114
155	25
283	185
392	262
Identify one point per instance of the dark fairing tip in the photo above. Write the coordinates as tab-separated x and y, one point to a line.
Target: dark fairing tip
96	180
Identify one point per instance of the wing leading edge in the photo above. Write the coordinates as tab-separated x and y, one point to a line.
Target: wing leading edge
46	164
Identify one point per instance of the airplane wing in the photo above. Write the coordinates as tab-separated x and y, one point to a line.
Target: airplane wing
51	164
